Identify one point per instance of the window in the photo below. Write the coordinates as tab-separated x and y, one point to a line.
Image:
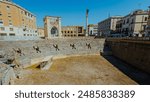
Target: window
1	22
131	29
9	16
146	18
124	22
128	20
10	22
11	29
3	34
144	27
11	34
132	21
26	13
2	28
79	29
22	12
0	14
8	7
24	34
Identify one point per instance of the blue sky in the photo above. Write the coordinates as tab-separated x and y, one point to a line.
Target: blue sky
73	11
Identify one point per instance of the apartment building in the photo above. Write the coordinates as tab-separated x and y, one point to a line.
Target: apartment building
72	31
134	24
93	29
108	26
16	22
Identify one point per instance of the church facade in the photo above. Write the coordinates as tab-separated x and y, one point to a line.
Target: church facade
52	26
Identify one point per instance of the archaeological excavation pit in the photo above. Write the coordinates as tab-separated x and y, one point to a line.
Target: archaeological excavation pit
64	62
75	70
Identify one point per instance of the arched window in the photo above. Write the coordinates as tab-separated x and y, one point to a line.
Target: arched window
54	31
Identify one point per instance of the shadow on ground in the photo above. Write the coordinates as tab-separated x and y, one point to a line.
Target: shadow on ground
137	75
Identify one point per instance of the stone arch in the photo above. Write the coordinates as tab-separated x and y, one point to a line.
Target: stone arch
54	32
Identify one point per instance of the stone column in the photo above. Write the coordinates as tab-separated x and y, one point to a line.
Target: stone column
60	34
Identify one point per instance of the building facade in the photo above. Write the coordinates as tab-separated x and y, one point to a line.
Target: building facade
108	26
40	32
134	24
16	23
52	26
119	26
148	24
72	31
93	30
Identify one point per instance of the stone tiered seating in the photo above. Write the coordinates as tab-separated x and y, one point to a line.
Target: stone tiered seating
47	49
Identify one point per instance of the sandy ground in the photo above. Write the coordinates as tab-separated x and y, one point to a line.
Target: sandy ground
83	70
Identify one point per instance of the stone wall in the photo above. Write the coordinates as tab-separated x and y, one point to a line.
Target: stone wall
136	53
7	74
47	49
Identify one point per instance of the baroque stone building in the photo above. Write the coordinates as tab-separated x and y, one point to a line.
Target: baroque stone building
148	25
134	24
52	26
72	31
93	29
108	26
16	23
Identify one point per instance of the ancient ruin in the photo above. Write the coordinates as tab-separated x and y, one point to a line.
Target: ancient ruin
16	55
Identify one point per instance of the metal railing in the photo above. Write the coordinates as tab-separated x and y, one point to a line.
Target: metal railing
130	38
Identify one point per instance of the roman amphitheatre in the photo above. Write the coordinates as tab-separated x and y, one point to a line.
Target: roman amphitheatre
65	61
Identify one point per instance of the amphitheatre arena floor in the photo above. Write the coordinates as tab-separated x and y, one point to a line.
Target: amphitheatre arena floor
77	70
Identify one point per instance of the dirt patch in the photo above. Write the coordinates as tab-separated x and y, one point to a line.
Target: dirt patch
78	70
